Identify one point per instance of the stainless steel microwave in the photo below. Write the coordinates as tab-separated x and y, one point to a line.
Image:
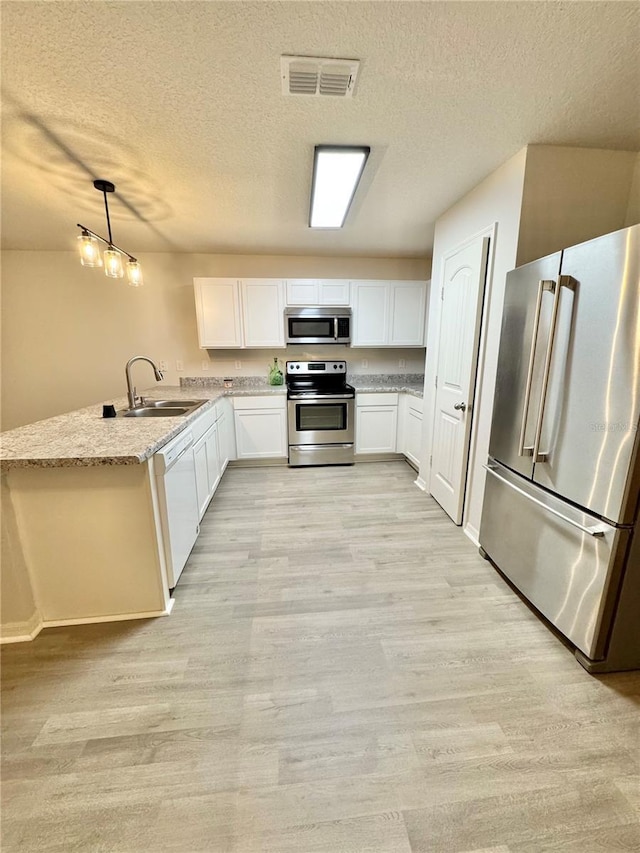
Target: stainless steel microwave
317	325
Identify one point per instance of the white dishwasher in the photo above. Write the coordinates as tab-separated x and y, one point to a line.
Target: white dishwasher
176	479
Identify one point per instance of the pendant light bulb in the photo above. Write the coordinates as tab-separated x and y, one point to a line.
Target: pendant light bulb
134	273
113	263
89	250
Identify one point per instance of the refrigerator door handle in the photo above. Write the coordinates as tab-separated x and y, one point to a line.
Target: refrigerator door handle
597	530
563	281
543	284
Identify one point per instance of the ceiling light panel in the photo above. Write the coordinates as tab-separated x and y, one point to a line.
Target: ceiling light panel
336	173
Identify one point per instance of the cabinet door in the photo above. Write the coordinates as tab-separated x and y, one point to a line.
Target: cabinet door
263	312
334	292
202	475
302	291
408	304
370	313
413	436
218	312
228	431
376	428
260	433
213	463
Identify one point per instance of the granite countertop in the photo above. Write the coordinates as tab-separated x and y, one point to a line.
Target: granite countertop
411	383
84	438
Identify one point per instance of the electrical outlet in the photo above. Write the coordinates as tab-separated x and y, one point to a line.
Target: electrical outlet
364	362
205	365
402	363
179	365
238	365
163	365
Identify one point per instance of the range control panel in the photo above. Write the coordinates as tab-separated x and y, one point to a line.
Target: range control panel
316	367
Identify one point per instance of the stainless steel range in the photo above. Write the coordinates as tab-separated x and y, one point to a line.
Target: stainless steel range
321	413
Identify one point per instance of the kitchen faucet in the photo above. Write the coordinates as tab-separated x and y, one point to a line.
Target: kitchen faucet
131	391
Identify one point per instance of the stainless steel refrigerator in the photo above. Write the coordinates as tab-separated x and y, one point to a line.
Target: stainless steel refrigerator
560	516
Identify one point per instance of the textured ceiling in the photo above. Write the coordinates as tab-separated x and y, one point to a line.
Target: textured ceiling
180	105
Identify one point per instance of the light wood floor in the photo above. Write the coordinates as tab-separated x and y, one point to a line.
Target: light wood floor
341	673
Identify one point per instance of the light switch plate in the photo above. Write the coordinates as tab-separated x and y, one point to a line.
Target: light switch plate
179	365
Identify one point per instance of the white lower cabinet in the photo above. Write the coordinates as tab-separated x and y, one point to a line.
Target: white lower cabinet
410	428
226	434
376	423
261	427
207	467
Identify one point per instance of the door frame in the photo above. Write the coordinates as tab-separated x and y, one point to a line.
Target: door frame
489	231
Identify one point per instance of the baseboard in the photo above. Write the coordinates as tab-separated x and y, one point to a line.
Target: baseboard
471	533
421	484
21	632
120	617
379	457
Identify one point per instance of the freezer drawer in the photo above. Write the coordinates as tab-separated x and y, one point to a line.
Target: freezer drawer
565	562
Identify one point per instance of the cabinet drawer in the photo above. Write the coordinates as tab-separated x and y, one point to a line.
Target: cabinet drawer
264	402
373	399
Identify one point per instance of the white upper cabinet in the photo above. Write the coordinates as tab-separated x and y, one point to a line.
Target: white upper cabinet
218	312
263	312
407	313
303	291
370	321
388	313
239	313
317	291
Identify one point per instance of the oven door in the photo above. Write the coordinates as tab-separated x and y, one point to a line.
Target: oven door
321	420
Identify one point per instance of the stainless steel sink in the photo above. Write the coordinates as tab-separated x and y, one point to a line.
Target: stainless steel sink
163	409
150	412
172	404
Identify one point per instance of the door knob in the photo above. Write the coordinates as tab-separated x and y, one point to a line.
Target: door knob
460	407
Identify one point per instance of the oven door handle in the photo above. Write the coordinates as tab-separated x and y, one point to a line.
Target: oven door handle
315	397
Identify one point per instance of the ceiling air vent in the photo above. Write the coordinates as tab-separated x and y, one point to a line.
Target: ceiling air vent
316	75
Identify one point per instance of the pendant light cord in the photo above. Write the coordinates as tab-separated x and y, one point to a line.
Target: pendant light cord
106	207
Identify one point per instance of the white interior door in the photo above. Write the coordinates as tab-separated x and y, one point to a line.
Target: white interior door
462	293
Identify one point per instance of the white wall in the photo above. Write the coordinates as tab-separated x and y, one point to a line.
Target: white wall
68	331
572	195
543	199
633	210
497	200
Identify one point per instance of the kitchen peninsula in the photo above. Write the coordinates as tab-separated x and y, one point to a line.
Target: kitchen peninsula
84	492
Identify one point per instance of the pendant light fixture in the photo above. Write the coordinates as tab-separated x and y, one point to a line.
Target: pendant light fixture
89	247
